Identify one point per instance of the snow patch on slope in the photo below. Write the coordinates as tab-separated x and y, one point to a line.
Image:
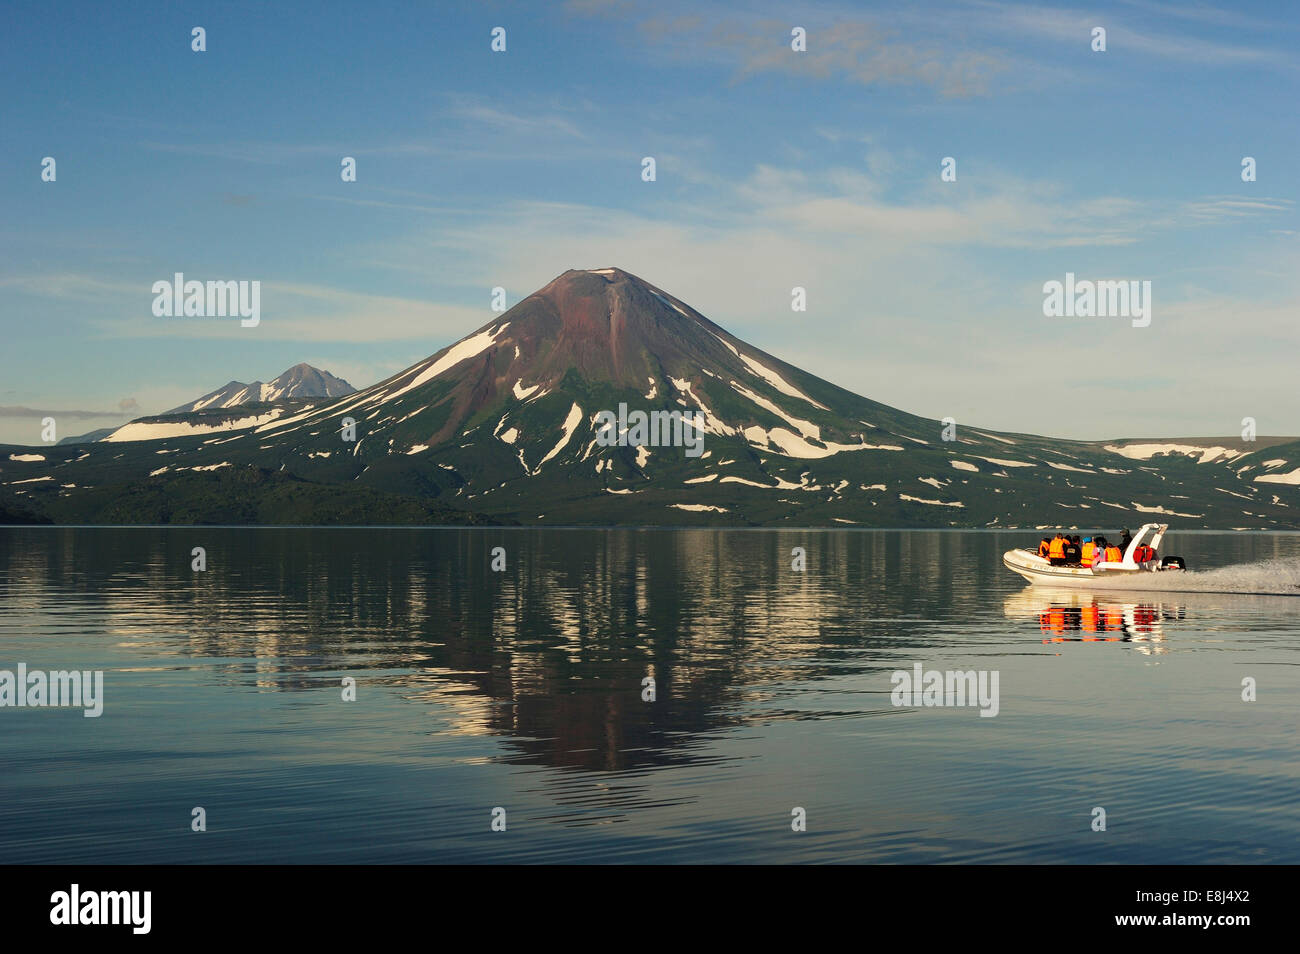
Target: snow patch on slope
1171	513
156	430
1147	451
932	503
992	437
1077	470
806	428
790	444
1291	478
461	351
754	483
770	376
712	423
571	423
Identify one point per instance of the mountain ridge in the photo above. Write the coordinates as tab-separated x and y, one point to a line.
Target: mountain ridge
502	423
298	382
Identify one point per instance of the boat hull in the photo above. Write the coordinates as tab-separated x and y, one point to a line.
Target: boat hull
1035	569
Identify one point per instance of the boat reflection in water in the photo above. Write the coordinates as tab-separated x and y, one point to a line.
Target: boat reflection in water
1072	615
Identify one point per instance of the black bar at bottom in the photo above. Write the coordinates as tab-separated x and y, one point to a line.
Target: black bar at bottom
334	903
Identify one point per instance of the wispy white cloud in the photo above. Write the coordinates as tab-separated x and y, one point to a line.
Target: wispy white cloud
1231	16
71	286
1124	33
602	8
861	51
525	124
293	311
1216	208
18	411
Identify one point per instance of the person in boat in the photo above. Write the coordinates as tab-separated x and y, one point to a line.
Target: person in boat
1044	547
1056	550
1144	554
1114	554
1073	551
1125	538
1099	551
1087	551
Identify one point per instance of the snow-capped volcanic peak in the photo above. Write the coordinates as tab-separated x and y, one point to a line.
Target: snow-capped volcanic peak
304	381
299	382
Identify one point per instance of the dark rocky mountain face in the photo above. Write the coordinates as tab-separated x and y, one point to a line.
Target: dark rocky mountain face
506	423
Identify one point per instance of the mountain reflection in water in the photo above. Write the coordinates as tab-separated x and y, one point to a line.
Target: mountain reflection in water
524	688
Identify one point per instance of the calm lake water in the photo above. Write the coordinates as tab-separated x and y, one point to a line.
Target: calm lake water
523	690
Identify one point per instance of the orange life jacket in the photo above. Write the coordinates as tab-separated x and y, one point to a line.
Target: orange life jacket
1057	548
1089	549
1043	548
1113	555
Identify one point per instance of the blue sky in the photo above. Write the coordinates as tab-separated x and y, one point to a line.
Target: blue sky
775	169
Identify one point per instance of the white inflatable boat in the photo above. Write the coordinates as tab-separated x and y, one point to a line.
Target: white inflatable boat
1037	569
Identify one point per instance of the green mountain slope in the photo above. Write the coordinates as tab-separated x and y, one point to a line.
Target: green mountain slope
502	424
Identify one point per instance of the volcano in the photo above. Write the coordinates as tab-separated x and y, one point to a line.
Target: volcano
503	424
587	341
300	382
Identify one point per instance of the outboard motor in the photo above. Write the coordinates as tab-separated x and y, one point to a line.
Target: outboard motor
1172	563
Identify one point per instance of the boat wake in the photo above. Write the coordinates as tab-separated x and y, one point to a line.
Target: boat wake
1265	578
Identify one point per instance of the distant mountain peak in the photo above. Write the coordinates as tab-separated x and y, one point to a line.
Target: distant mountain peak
299	382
